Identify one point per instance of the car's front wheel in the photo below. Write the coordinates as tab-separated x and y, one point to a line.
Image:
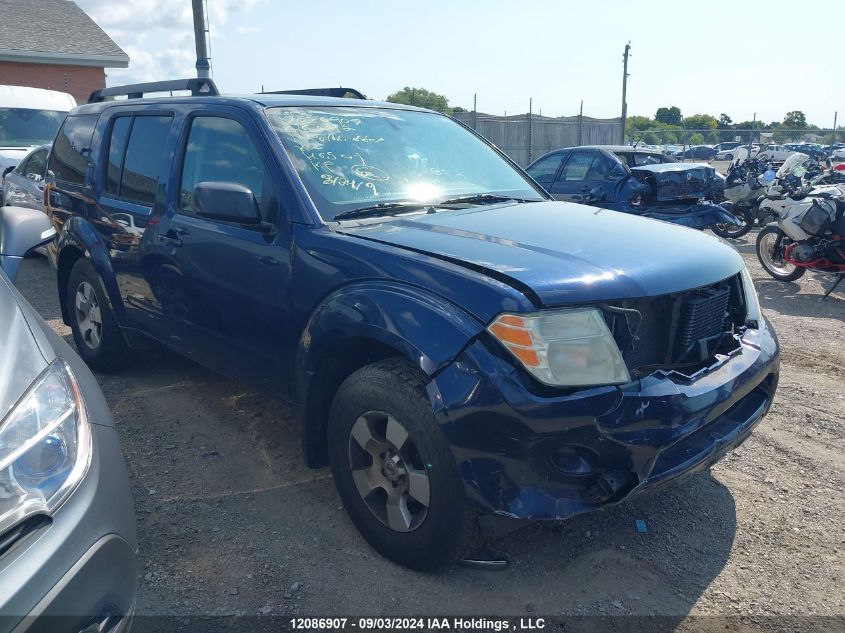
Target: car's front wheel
394	470
96	333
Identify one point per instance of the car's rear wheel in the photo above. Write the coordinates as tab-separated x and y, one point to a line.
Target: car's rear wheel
394	470
96	333
771	256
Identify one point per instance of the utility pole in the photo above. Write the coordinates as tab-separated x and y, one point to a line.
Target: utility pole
203	65
625	89
581	124
475	111
530	113
835	116
751	134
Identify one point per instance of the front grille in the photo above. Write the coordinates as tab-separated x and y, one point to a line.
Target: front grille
702	318
676	329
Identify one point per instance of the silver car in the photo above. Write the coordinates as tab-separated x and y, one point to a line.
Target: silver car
23	185
68	544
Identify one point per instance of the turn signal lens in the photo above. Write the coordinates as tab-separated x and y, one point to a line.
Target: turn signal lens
563	348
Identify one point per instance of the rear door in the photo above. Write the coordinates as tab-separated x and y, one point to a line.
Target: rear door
133	170
583	171
224	287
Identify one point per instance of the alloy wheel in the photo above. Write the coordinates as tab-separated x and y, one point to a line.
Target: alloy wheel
88	315
388	471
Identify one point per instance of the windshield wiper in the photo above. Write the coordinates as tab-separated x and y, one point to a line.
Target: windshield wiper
380	209
483	198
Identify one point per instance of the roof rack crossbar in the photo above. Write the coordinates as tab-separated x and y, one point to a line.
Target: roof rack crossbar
199	87
319	92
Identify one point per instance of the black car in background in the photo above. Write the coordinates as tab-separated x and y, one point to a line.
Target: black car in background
641	182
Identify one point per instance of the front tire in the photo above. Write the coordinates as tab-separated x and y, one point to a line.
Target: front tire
394	470
732	232
773	262
96	333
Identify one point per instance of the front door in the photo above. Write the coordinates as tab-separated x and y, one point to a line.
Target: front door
224	287
584	171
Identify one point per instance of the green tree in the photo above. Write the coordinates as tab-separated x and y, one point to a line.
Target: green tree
704	124
724	121
795	120
669	116
697	138
421	98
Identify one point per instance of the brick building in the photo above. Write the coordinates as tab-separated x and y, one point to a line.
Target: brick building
54	44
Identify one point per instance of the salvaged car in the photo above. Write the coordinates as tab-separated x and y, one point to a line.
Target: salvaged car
458	344
68	544
655	187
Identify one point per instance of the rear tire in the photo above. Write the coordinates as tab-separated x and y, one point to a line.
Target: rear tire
96	333
773	262
384	406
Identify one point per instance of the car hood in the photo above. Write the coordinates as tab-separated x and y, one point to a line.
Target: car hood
562	253
22	360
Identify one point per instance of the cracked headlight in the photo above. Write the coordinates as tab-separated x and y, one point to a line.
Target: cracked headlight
45	446
563	348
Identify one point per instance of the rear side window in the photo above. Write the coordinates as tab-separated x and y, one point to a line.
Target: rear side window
117	150
69	158
136	154
577	166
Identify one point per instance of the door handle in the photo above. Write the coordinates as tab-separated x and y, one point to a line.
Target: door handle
170	239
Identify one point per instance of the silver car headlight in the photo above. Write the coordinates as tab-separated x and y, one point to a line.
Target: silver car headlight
45	446
753	314
563	348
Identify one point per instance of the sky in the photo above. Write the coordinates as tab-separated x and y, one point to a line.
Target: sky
720	56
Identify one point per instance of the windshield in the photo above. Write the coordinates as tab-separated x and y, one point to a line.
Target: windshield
352	157
25	127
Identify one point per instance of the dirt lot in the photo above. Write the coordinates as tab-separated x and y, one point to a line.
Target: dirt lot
231	520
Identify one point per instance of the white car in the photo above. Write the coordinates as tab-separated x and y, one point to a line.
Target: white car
729	154
774	153
30	117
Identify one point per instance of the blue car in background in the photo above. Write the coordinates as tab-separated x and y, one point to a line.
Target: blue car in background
456	342
624	178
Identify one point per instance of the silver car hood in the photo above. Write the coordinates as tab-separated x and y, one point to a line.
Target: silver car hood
21	357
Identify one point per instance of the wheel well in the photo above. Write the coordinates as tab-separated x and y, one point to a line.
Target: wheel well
335	366
67	258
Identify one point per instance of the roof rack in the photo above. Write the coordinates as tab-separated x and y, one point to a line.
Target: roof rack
199	87
319	92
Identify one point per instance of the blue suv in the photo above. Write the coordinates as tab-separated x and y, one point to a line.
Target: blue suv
457	343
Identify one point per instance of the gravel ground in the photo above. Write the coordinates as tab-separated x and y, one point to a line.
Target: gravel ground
231	521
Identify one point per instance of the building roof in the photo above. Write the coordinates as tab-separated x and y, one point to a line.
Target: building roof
55	32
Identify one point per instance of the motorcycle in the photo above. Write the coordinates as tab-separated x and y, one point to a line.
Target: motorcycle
745	185
810	231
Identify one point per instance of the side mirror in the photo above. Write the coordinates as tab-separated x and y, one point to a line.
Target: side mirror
21	230
596	194
7	171
226	201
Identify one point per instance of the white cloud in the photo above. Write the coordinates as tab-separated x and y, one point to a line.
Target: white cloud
158	36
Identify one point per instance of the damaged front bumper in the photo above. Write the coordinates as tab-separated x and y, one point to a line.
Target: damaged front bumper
531	456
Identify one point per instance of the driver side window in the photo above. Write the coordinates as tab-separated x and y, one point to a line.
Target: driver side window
220	150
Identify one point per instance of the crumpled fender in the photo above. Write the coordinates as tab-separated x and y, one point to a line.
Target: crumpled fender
425	329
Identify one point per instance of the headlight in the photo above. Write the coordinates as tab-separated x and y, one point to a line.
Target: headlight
563	348
753	314
45	446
